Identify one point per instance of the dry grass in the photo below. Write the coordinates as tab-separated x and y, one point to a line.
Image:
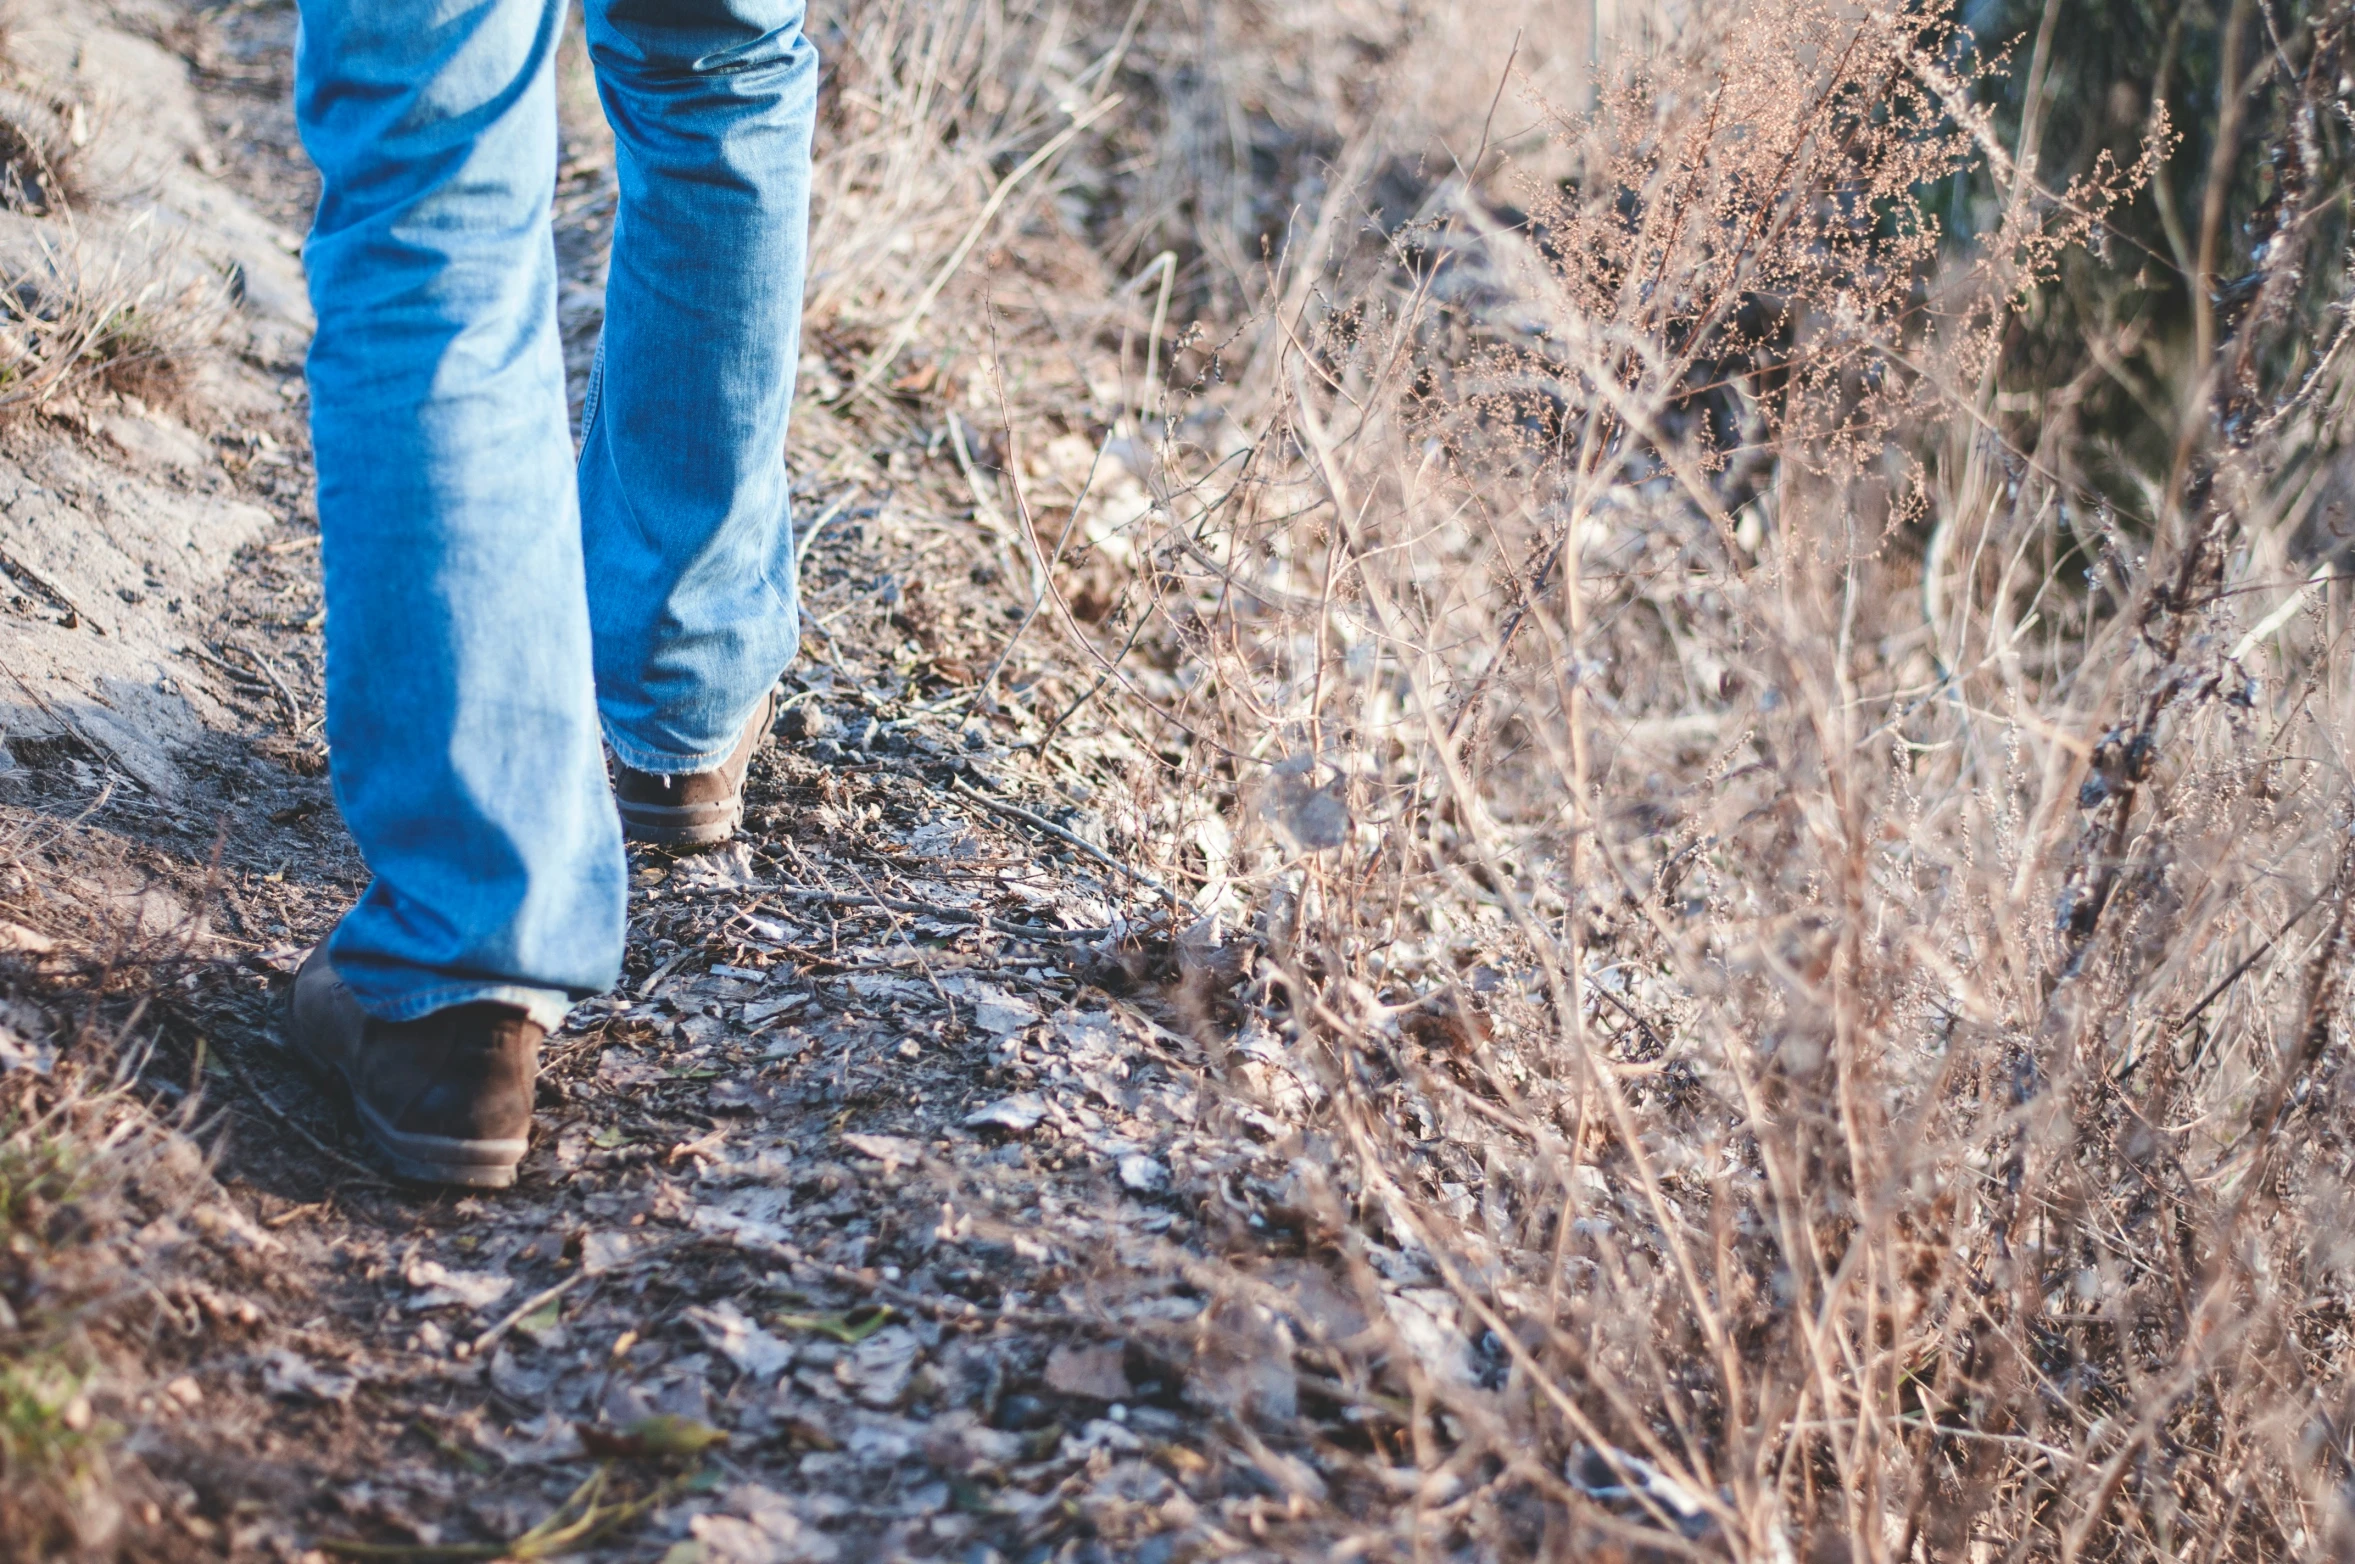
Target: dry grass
87	317
87	301
1815	944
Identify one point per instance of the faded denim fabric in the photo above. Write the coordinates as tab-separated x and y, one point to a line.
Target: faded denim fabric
495	608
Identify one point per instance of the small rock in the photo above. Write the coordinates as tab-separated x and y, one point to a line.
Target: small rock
804	720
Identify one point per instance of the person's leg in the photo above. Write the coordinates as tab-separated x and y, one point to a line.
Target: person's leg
683	482
460	708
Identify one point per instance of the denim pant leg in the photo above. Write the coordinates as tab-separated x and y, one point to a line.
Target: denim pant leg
460	704
684	490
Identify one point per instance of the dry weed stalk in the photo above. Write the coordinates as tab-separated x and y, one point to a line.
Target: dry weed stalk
1824	938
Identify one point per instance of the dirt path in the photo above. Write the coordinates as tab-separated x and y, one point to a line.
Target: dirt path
866	1221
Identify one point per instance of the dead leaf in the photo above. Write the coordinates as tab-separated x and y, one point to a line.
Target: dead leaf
734	1094
997	1012
850	1328
602	1252
223	1223
541	1441
877	1370
727	1332
1017	1115
761	1223
544	1322
524	1385
1095	1372
946	837
1243	1363
759	1526
893	1151
1311	818
1425	1319
702	1146
17	1054
439	1286
665	1434
294	1378
1142	1174
619	1067
729	868
1092	1038
766	1009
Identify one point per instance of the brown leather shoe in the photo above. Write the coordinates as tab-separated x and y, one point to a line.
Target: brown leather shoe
446	1099
699	808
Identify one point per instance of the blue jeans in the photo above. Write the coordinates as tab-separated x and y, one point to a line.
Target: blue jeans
495	608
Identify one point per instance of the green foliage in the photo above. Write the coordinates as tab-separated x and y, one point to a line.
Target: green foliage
41	1171
51	1445
45	1424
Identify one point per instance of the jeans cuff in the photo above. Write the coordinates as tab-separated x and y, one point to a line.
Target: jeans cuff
547	1006
655	763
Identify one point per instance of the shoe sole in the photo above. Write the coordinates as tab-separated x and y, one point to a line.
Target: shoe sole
419	1159
689	826
439	1159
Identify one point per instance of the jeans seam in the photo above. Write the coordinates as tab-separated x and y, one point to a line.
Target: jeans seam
593	396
